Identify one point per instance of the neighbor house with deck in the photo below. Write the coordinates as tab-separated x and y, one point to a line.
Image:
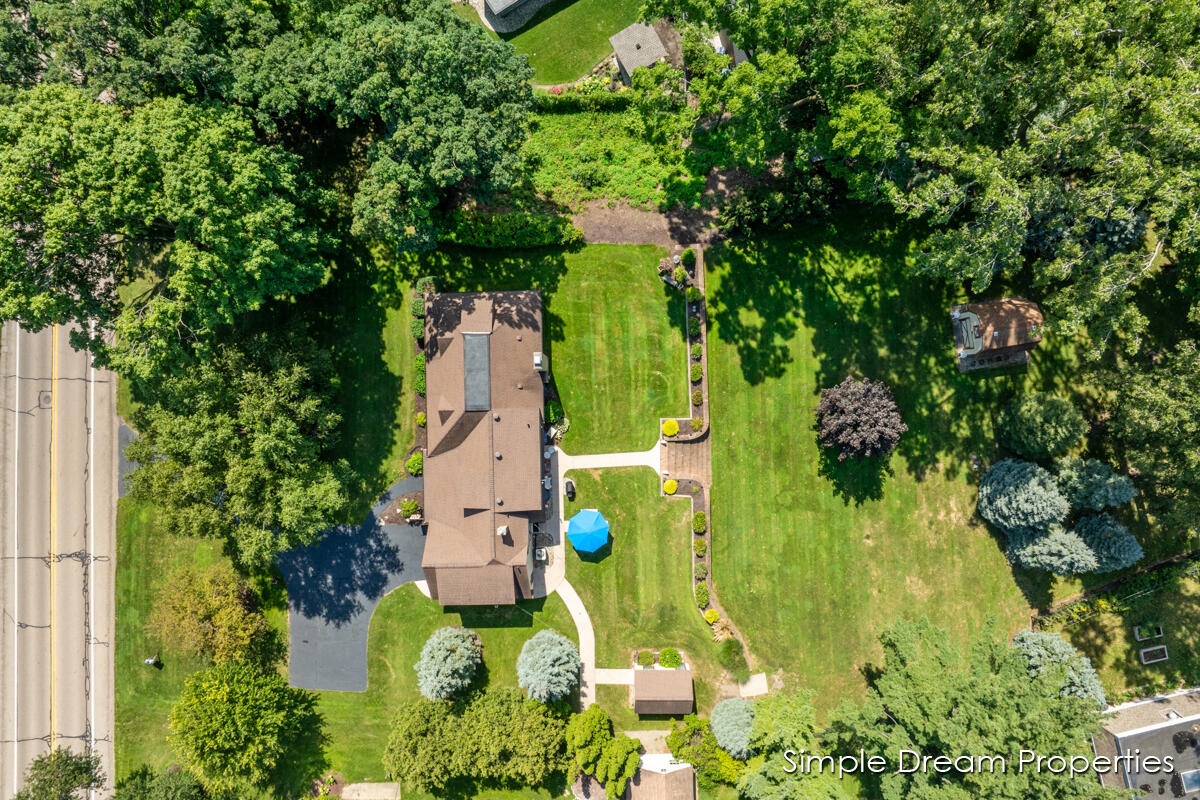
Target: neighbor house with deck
484	474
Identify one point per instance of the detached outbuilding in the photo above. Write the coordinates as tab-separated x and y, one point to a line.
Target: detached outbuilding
663	691
995	333
637	46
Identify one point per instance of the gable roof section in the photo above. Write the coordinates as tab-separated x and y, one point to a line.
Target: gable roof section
663	691
661	777
637	46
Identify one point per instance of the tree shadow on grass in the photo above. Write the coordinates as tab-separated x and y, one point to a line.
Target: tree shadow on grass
848	285
855	479
305	758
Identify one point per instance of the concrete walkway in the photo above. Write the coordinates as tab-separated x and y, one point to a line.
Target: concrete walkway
652	741
614	677
642	458
755	686
371	791
587	642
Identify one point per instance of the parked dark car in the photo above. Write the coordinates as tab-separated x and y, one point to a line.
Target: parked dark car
569	488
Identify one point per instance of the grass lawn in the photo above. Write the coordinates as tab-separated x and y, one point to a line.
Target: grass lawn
358	722
812	557
1107	639
639	592
566	38
613	331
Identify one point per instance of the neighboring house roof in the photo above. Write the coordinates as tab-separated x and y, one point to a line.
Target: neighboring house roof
637	46
662	691
483	465
1163	726
661	777
999	324
502	7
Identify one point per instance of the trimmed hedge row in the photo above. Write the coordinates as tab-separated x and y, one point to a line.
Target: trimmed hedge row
420	379
511	229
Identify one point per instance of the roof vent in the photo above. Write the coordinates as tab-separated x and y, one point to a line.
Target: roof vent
497	455
520	386
518	337
638	46
502	530
496	417
499	501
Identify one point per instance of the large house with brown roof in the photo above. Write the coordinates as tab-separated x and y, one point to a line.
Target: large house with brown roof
995	333
483	464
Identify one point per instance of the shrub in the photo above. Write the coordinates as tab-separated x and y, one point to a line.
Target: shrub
1090	483
733	658
554	412
415	464
693	741
699	522
701	595
513	228
410	507
421	419
449	660
645	658
732	722
697	398
618	764
212	613
587	735
416	327
696	373
697	325
688	257
571	101
426	285
1111	542
1037	425
420	374
700	571
711	616
548	667
696	424
859	419
700	546
1021	499
1060	551
697	351
681	275
670	427
1043	651
416	306
670	486
693	294
669	658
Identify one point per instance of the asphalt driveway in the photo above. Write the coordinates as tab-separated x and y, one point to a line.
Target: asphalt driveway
333	588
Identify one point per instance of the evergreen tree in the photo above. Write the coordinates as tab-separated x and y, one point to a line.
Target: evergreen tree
449	660
1059	550
785	722
927	694
548	666
1036	425
1090	483
732	723
1049	651
1113	545
1021	499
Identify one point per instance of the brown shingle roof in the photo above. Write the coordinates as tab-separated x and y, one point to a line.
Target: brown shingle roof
483	468
662	691
1005	322
660	777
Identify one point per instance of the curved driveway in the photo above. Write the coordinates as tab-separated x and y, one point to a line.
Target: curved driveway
333	588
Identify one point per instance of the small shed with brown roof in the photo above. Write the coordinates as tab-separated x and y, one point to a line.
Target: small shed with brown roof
663	691
995	333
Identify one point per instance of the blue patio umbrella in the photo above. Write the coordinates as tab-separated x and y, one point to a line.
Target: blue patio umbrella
588	531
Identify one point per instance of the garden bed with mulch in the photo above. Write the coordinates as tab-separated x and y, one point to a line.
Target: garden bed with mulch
392	516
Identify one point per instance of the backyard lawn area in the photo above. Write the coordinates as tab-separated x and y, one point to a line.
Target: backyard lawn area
566	38
638	592
812	557
613	331
1107	639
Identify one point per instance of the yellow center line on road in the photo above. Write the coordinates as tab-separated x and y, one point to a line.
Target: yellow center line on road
53	519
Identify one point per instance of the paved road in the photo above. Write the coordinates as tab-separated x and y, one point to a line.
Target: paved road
57	545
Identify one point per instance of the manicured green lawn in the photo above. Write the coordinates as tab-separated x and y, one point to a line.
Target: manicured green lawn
358	722
613	331
813	557
566	38
639	591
